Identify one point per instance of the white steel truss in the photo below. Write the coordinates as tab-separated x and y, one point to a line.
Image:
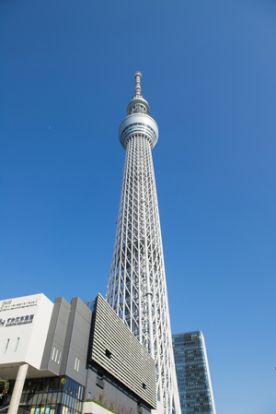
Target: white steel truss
137	284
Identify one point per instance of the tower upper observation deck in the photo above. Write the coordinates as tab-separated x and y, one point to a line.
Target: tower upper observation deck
138	121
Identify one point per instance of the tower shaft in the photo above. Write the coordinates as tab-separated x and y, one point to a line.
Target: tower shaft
137	284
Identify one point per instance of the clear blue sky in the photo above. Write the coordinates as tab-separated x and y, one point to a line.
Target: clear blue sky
209	66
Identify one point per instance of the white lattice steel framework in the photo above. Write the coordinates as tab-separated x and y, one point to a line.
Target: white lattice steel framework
137	284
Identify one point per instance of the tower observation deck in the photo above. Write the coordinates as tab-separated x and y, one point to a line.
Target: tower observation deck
137	284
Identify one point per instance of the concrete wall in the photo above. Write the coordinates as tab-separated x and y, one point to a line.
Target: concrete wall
54	348
67	343
74	363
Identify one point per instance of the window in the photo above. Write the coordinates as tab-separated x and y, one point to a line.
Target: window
77	364
144	386
16	344
79	395
7	344
56	355
100	379
59	358
108	353
139	408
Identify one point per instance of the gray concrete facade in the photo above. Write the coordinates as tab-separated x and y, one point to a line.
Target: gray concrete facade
67	342
56	336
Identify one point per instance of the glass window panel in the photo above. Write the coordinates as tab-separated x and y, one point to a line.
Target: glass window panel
44	397
54	397
59	399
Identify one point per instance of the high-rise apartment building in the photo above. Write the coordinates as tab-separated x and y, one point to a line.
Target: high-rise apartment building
137	285
193	376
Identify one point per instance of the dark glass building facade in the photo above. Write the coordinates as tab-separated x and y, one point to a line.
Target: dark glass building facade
193	376
54	395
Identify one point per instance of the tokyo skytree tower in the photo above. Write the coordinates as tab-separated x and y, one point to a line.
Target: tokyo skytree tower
137	284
